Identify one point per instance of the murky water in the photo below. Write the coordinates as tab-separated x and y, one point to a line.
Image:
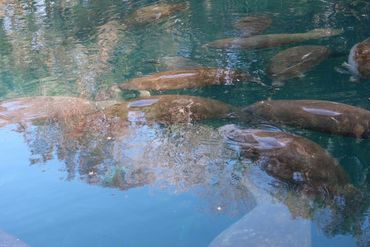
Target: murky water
72	177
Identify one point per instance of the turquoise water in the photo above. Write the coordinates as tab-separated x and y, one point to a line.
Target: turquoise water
182	186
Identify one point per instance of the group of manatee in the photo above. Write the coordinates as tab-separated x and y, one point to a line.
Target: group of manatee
284	156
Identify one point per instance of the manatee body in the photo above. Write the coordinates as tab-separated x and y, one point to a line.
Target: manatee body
325	116
252	25
272	40
148	14
294	62
186	79
29	109
289	158
170	109
359	59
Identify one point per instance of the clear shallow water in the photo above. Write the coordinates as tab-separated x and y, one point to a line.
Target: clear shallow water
178	188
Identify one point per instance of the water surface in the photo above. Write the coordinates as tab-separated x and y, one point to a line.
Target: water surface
154	185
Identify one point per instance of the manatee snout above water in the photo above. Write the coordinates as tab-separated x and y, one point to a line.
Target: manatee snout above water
288	157
272	40
359	59
187	79
148	14
294	62
325	116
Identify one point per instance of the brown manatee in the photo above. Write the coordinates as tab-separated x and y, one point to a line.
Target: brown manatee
294	62
39	108
252	25
325	116
187	79
289	158
170	109
359	59
148	14
75	111
271	40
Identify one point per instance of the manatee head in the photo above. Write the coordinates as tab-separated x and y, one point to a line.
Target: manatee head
359	59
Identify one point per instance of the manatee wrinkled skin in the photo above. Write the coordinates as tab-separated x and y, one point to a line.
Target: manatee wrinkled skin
252	25
359	59
294	62
271	40
187	79
324	116
171	109
290	158
148	14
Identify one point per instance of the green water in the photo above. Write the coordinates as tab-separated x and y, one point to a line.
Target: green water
182	187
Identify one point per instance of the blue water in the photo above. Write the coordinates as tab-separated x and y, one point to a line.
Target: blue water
57	191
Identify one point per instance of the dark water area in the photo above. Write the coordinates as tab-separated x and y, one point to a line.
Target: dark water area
75	174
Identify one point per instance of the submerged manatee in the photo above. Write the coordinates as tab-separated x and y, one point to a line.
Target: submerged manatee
148	14
170	109
359	59
289	158
294	62
325	116
252	25
272	40
187	79
175	62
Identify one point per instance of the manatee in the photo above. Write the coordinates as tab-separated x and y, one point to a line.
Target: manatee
359	59
148	14
252	25
325	116
7	240
289	158
294	62
187	79
29	109
271	40
170	109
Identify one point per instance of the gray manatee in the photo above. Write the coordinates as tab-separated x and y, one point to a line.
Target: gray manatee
325	116
271	40
294	62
